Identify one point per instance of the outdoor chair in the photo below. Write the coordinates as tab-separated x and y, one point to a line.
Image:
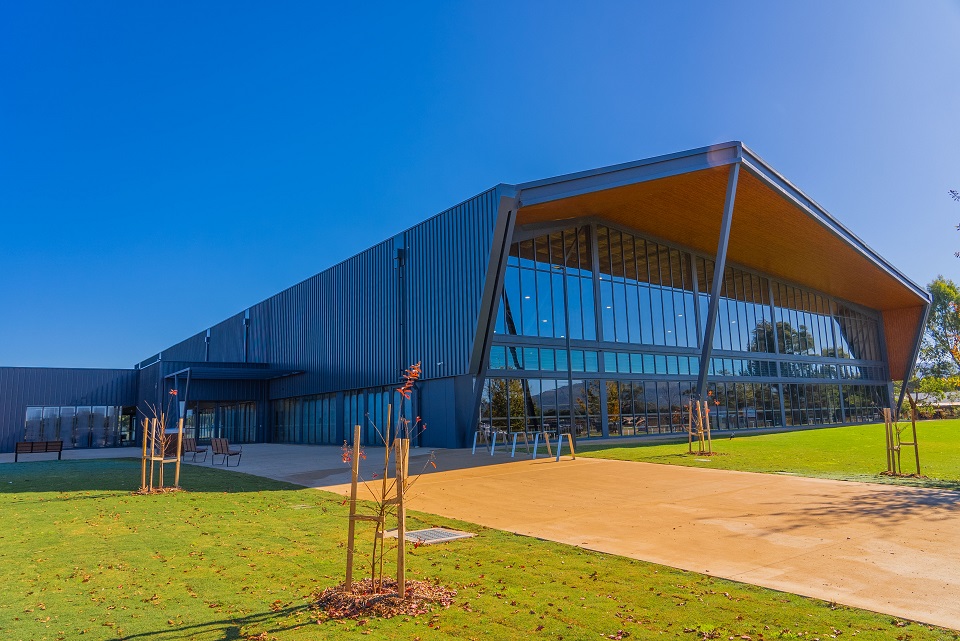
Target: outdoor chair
190	447
222	447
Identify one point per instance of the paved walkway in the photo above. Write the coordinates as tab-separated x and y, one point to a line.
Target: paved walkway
884	548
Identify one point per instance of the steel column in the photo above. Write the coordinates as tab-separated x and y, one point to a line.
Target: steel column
718	269
508	206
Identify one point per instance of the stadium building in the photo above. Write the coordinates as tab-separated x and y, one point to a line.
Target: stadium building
598	303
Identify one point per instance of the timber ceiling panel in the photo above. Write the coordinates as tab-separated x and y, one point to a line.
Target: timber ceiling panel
768	233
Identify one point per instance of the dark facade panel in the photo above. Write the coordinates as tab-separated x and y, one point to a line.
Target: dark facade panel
25	386
153	386
446	268
191	349
343	327
226	340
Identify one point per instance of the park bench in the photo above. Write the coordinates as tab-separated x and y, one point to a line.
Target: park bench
221	447
37	447
190	447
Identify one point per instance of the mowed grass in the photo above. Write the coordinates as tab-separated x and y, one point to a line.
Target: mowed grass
239	557
849	453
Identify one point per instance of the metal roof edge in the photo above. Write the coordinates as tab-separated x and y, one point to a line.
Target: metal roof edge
569	185
763	170
734	144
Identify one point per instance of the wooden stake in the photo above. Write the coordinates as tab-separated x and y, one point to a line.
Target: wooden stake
887	429
351	526
143	458
689	427
700	406
378	536
916	446
153	447
176	479
709	439
402	452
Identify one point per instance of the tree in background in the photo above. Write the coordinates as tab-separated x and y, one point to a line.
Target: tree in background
784	340
940	351
956	196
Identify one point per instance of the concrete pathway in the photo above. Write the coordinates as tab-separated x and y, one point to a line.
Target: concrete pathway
884	548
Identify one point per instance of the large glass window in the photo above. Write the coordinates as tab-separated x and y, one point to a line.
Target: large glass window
773	343
858	335
532	405
744	320
303	419
743	405
548	279
812	404
804	322
646	291
864	403
79	426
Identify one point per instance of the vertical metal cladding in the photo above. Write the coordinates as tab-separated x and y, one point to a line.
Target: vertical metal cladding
342	326
447	262
25	386
191	349
226	340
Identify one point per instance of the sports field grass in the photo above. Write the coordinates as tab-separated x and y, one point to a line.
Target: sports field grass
238	557
850	453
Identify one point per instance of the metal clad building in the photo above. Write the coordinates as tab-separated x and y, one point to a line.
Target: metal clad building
598	303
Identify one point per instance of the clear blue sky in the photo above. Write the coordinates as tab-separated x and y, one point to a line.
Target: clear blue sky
213	154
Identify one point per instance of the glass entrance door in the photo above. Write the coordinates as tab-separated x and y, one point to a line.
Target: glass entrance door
207	421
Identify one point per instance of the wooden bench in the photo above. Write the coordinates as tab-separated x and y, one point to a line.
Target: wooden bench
221	447
38	447
190	447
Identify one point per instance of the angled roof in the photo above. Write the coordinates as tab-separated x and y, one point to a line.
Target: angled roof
776	228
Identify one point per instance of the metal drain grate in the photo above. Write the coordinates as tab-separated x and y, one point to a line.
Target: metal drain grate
432	535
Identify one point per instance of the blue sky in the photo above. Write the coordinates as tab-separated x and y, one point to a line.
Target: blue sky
212	154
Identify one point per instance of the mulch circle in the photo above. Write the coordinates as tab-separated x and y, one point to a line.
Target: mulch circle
421	598
144	491
905	476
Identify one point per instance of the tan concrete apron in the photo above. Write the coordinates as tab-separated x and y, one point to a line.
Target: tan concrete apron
884	548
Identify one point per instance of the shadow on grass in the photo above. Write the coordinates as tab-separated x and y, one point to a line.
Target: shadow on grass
123	475
230	628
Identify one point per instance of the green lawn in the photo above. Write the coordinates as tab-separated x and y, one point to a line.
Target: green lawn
852	453
239	557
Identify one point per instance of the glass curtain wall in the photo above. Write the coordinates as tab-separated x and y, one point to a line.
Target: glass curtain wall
306	419
368	409
79	426
590	313
235	421
646	291
548	288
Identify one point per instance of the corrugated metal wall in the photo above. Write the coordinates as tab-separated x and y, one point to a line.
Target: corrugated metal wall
153	387
24	386
342	327
191	349
447	261
226	340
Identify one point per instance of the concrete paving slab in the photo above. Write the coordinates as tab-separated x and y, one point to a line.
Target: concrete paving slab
884	548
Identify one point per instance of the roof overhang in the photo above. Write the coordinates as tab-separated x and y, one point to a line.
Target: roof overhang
776	229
